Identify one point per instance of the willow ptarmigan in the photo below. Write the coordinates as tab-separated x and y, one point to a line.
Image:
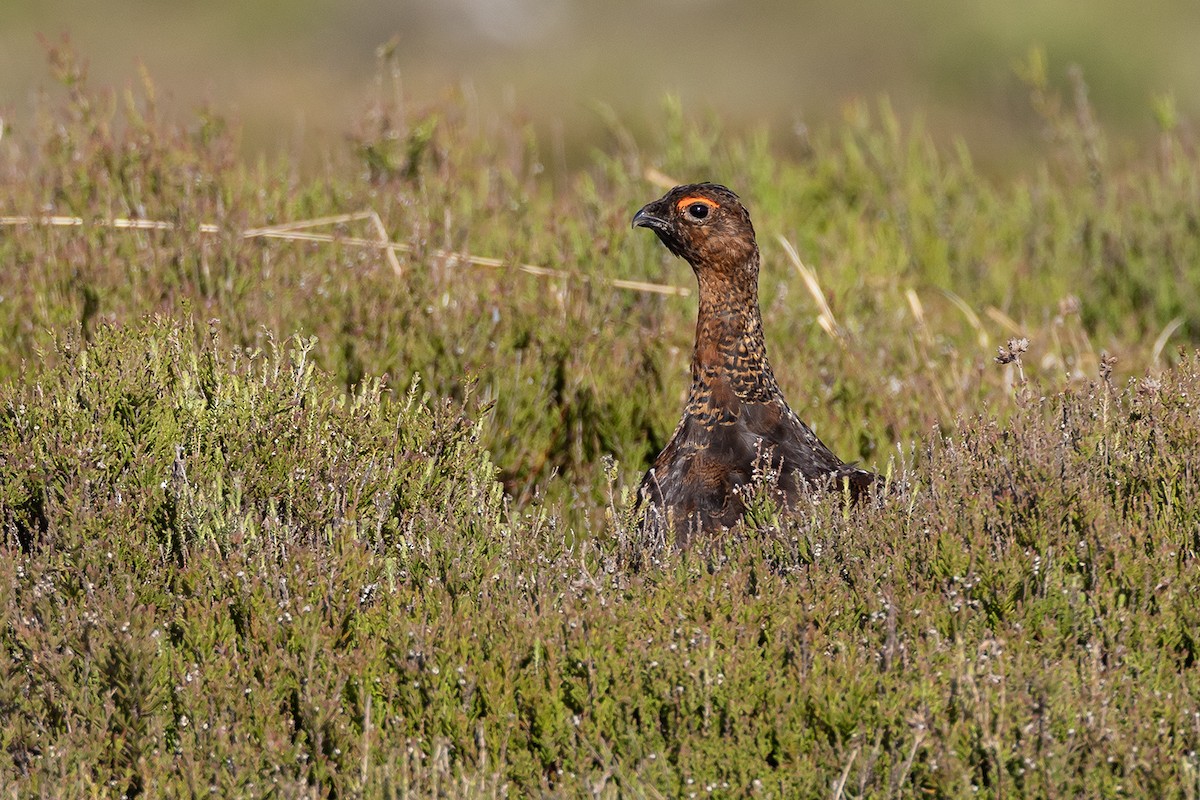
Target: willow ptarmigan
736	426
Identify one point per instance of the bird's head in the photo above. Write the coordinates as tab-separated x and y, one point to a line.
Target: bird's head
705	224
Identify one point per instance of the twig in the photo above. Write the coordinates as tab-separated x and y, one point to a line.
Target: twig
365	765
840	786
918	738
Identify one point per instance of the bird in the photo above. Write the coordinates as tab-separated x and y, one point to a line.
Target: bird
737	429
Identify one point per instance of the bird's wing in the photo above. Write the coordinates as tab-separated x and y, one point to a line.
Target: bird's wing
773	426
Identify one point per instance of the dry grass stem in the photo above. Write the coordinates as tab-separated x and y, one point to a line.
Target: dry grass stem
825	319
1160	343
659	179
298	232
1004	319
968	312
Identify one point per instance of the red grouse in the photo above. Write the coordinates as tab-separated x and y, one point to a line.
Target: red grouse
736	428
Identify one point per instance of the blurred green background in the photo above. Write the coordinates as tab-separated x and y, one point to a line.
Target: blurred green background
297	73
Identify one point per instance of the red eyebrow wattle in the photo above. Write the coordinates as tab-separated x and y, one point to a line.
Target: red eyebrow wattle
687	201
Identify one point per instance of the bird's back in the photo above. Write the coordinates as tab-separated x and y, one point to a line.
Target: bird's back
698	481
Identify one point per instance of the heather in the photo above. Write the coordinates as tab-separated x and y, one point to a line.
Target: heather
297	517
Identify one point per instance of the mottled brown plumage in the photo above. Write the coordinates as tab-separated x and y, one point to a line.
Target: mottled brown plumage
736	426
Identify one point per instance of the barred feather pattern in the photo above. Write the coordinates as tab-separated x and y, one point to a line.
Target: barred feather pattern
736	426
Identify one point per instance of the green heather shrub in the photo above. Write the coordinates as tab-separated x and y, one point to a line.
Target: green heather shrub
208	450
926	264
247	552
223	575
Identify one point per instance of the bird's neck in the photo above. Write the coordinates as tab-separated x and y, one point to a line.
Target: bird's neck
730	355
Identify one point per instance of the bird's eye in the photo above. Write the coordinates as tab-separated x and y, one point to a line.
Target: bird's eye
697	211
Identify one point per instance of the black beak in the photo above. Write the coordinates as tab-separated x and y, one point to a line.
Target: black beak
648	219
